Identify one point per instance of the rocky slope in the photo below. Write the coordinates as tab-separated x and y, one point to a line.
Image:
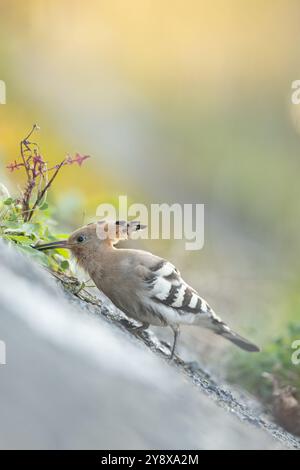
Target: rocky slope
78	376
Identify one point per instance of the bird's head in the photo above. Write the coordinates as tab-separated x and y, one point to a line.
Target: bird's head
92	236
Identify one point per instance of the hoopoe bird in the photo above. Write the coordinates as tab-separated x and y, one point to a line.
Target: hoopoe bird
145	287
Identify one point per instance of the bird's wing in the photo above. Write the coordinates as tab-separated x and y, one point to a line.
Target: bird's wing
165	286
175	302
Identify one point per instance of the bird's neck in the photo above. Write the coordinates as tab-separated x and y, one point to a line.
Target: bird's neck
94	260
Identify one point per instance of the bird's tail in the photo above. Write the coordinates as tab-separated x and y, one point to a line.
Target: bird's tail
214	323
238	340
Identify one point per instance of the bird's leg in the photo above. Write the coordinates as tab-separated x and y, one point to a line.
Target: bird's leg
143	327
176	332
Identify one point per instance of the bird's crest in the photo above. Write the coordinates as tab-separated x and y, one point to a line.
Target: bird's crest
118	229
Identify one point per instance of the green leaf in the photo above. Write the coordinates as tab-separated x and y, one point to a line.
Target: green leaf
64	264
13	217
21	239
44	206
8	201
11	228
63	252
62	235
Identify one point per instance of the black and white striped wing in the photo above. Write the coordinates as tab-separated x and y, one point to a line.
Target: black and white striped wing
175	302
167	287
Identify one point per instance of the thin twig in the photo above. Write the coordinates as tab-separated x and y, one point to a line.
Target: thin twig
40	196
34	127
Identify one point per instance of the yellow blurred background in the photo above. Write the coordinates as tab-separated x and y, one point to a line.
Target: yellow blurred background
176	101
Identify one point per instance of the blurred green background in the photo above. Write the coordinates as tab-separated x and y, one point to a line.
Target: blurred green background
176	101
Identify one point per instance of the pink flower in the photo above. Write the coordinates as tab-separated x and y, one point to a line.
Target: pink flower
14	166
77	159
80	158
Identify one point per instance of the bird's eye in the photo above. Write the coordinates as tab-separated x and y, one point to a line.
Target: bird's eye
80	238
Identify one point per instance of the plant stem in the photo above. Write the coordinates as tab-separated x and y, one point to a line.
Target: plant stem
42	193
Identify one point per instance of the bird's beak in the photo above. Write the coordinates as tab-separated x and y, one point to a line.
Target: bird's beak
52	245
